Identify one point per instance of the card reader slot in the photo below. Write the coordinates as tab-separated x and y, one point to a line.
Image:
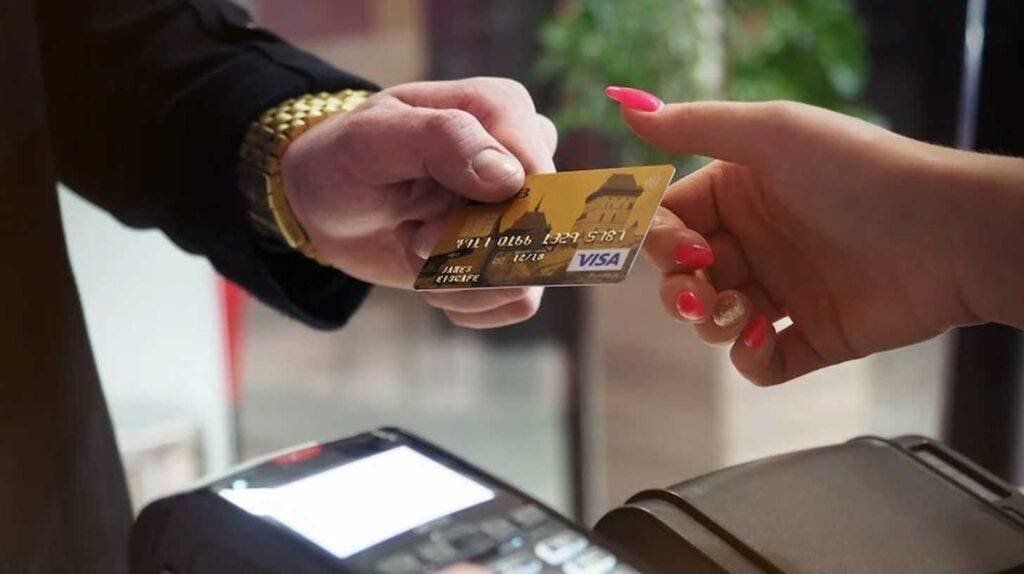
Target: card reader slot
966	474
966	477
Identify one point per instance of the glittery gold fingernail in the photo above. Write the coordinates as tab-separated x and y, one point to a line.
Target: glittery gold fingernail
729	309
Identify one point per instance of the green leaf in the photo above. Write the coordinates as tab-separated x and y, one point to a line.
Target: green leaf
807	50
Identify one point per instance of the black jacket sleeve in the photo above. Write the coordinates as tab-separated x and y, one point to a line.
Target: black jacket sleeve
148	101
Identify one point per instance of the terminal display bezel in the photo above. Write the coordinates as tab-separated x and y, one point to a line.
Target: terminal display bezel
284	468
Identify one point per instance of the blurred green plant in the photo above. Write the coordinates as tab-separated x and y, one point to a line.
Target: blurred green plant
682	50
590	44
812	51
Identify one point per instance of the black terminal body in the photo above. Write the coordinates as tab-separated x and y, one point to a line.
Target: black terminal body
202	531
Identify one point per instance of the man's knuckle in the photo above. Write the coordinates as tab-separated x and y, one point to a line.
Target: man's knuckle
516	293
363	124
434	300
350	137
450	125
378	99
495	95
456	318
517	94
524	308
515	88
464	320
548	130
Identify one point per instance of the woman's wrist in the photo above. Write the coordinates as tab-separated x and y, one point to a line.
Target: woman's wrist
986	207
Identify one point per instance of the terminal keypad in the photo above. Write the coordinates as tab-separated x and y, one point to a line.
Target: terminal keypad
524	540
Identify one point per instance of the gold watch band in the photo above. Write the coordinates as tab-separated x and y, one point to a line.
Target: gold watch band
259	165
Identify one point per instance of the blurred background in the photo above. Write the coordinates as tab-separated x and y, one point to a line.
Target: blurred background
600	395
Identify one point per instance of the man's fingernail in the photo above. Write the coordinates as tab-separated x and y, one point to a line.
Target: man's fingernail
755	333
422	246
493	166
423	240
689	306
634	99
693	256
729	309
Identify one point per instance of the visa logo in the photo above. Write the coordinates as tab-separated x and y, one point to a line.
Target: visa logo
598	260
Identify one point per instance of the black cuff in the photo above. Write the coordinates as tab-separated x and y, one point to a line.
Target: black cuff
267	73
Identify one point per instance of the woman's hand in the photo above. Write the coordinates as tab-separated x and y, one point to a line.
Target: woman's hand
373	187
865	239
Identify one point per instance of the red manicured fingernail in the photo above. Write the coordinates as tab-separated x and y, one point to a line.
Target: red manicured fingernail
634	99
688	305
755	332
693	256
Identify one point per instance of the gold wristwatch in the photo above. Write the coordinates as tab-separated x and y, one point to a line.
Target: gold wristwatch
259	164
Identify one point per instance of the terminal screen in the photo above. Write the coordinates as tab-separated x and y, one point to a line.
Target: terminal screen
349	508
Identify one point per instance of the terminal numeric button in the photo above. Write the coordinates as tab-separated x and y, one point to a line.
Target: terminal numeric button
561	547
528	516
469	541
498	529
474	546
511	545
399	564
520	564
593	561
437	552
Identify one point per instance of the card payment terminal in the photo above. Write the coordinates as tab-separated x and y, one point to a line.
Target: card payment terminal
383	502
387	502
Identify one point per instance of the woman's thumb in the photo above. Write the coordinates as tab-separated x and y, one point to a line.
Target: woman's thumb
732	131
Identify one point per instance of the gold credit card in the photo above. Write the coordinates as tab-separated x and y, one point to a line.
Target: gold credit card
569	228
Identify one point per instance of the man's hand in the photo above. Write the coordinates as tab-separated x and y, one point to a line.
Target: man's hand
372	187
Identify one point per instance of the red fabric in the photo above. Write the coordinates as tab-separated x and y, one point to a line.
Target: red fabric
233	305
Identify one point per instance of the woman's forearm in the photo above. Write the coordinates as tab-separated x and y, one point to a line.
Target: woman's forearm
987	193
